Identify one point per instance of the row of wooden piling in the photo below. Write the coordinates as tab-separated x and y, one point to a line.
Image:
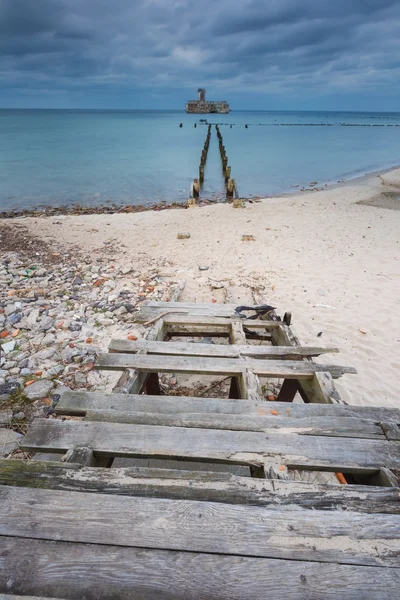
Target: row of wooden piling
204	154
226	169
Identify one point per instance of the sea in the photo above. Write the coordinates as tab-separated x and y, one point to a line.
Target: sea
95	157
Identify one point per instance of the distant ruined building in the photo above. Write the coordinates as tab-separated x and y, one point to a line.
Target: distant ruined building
203	106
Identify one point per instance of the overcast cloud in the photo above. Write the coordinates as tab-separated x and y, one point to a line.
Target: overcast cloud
254	53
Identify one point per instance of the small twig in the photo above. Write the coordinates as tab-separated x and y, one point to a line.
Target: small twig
214	385
167	312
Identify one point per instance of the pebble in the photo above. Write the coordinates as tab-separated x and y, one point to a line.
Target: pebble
8	388
25	372
19	416
80	378
45	324
48	339
8	347
39	389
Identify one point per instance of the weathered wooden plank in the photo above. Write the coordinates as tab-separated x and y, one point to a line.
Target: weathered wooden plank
94	572
14	597
339	427
211	322
249	385
223	366
191	526
227	446
199	485
218	350
132	381
77	403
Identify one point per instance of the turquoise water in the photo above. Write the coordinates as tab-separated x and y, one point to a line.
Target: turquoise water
61	157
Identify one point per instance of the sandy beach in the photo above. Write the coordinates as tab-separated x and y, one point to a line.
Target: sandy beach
325	256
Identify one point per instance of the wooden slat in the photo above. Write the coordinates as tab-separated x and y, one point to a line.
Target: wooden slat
211	322
218	350
340	427
77	403
211	366
117	573
337	536
199	485
236	447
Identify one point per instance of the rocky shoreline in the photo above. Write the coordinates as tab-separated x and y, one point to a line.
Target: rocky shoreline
57	311
103	209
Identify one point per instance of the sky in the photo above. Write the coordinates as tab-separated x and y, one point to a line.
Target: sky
256	54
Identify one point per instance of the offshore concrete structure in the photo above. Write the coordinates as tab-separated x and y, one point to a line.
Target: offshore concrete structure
203	106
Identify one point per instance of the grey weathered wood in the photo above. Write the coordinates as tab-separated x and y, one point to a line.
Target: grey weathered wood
116	573
77	403
199	485
14	597
221	366
212	322
391	430
338	536
238	335
132	381
218	350
249	385
216	445
338	427
321	389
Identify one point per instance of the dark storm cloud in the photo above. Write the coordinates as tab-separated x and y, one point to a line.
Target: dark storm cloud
267	46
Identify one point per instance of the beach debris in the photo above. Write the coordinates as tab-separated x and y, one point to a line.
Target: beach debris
248	238
362	331
238	203
324	306
183	236
319	334
203	268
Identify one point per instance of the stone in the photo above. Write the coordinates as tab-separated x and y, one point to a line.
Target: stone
121	311
55	371
39	389
9	309
8	347
80	378
5	417
25	372
32	318
203	268
48	339
183	236
45	324
14	371
19	416
45	354
14	319
9	441
75	326
6	389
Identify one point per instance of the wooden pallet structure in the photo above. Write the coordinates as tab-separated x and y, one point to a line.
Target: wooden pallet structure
84	528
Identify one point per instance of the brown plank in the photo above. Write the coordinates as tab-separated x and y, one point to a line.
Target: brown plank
218	350
185	525
77	403
212	366
199	485
238	447
93	572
